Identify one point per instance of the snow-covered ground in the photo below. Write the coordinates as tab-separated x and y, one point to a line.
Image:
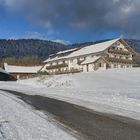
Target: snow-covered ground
112	91
18	121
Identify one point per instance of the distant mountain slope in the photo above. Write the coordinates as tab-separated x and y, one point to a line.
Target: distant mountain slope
135	44
29	47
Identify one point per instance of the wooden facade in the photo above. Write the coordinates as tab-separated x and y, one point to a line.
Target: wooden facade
23	75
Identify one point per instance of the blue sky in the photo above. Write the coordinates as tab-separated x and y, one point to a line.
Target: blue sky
70	21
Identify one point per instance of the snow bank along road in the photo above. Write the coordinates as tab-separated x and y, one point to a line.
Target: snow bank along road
19	121
91	125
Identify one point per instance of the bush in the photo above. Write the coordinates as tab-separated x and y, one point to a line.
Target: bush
43	73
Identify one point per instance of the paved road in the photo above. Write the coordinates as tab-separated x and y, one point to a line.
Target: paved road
91	125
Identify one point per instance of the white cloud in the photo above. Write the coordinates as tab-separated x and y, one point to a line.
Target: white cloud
14	4
101	14
61	41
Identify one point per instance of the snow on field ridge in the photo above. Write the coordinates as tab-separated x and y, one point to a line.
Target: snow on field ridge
49	81
114	91
112	79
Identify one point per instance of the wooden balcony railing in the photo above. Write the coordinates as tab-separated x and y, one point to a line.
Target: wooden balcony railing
117	60
66	71
80	61
118	52
57	66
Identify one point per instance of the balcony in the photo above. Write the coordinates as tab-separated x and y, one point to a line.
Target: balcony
117	60
80	61
118	52
66	71
57	66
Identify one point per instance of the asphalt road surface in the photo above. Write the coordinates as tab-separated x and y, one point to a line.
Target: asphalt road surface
89	124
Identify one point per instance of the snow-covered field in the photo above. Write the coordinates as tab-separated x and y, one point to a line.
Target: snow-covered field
112	91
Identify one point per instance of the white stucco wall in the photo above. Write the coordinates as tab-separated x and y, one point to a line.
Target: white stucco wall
84	68
91	67
72	64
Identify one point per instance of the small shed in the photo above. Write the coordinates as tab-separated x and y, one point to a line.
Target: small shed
4	76
20	72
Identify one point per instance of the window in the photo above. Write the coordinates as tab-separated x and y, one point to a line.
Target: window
118	43
127	57
121	66
100	64
115	66
71	60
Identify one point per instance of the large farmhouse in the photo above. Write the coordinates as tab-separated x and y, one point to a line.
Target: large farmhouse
106	55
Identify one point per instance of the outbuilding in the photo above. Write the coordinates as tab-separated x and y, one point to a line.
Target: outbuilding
4	76
20	72
95	63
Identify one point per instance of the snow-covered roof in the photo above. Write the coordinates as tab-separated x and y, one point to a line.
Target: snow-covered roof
91	60
94	48
3	71
61	52
57	57
21	69
66	51
99	47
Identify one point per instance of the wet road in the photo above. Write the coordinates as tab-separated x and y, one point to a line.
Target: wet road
90	124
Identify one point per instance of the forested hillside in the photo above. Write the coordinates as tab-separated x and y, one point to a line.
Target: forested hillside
28	50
